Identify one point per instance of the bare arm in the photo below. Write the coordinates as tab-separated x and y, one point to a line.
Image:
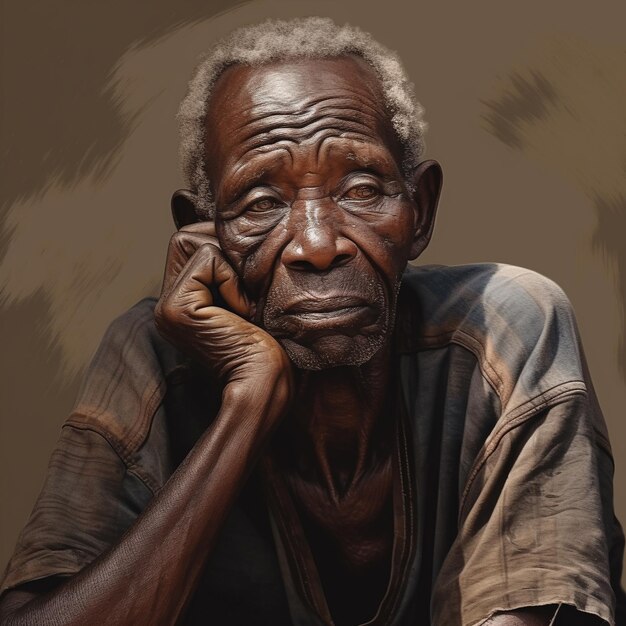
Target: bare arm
149	576
541	616
544	616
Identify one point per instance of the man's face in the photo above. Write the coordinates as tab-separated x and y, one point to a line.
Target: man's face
312	208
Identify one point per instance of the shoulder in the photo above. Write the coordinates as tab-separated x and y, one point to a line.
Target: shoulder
126	381
131	345
518	323
134	331
451	293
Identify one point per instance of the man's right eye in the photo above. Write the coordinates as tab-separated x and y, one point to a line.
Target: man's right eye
263	204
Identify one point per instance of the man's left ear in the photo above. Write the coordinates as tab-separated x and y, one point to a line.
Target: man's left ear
427	179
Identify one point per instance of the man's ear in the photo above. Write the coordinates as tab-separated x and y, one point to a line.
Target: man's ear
184	208
427	179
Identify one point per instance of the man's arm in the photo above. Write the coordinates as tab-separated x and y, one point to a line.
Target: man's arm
536	524
541	616
150	574
551	615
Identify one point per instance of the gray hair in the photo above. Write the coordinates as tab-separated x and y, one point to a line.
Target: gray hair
312	37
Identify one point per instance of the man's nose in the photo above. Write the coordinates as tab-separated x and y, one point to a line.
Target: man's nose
316	244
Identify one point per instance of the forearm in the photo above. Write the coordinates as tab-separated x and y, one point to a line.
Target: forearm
548	615
526	617
149	576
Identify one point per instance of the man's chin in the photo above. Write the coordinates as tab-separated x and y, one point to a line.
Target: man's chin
332	351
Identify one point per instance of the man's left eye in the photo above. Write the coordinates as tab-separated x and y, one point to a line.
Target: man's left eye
362	192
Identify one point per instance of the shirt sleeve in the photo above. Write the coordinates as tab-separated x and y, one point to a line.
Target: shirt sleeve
88	500
111	457
536	525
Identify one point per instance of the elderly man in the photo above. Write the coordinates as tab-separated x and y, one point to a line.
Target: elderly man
312	433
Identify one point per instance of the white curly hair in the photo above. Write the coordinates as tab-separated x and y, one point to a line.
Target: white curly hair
271	40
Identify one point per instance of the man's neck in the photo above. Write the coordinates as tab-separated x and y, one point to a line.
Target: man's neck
341	427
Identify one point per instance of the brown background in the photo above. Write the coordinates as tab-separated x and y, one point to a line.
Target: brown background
527	107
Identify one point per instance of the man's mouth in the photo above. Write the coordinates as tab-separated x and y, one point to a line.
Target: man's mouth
329	312
325	304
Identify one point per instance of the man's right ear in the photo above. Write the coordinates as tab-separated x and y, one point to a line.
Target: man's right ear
184	208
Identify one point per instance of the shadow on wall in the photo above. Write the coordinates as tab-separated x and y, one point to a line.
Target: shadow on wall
564	109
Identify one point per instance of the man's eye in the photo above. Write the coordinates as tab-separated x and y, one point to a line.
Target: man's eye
362	192
264	204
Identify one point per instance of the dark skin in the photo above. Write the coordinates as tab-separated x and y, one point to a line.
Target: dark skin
314	226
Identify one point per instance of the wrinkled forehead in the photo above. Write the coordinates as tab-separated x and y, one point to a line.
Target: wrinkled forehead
247	98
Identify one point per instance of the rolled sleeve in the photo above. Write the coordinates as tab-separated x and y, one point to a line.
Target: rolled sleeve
88	500
535	527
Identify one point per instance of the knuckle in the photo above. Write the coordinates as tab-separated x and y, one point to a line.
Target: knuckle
166	313
177	239
208	250
185	243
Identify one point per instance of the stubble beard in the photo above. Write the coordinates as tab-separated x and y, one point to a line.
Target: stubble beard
337	349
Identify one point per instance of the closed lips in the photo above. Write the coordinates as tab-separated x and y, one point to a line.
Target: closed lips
326	304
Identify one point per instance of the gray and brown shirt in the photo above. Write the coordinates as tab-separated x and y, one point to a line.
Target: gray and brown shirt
504	474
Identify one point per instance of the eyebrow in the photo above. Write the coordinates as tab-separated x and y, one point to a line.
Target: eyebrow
253	173
378	159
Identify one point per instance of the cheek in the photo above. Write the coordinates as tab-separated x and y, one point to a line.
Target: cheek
254	245
251	250
397	222
385	237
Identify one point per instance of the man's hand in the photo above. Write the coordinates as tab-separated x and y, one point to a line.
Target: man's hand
167	546
240	354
